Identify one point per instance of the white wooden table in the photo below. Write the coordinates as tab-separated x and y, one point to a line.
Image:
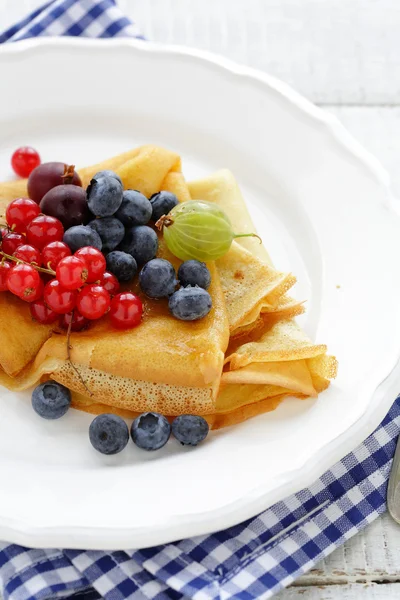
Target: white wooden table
345	56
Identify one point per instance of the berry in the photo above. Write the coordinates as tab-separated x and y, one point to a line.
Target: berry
42	313
110	283
135	209
58	298
53	253
51	400
24	281
194	272
157	278
67	203
38	294
43	230
109	434
47	176
20	213
72	272
189	430
5	269
190	303
95	262
28	254
122	265
150	431
107	173
126	311
11	241
199	230
78	322
80	236
162	203
24	160
141	242
110	230
104	196
93	301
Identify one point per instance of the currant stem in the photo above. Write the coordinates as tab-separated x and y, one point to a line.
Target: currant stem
19	261
69	348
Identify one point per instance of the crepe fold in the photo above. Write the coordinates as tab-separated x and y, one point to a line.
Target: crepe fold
239	361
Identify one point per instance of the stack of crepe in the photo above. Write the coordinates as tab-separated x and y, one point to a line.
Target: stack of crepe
241	360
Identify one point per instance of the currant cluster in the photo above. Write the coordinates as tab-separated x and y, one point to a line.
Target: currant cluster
79	237
39	268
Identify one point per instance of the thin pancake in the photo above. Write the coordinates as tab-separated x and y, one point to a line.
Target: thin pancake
221	187
148	169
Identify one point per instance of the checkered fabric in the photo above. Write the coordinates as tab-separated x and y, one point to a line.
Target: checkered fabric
87	18
253	560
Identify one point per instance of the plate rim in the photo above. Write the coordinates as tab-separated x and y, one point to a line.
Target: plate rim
381	397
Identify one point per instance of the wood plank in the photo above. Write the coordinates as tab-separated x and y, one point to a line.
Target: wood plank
335	51
371	556
354	591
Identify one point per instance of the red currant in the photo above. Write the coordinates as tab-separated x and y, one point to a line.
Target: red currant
43	230
96	263
11	241
78	322
58	298
42	313
53	253
20	213
5	269
110	283
24	281
24	160
126	310
38	295
93	301
72	272
28	254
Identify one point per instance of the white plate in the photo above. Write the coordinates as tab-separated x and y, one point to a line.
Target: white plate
325	212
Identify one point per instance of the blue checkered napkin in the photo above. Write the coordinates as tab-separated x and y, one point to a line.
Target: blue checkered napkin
88	18
253	560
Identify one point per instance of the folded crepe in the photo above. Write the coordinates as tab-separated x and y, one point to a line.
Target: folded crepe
270	357
266	362
252	284
169	365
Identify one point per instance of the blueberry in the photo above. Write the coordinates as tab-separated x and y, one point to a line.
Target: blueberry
194	272
157	278
135	209
110	230
109	434
107	173
190	430
51	400
150	431
190	303
104	196
81	235
122	265
141	242
162	203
